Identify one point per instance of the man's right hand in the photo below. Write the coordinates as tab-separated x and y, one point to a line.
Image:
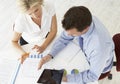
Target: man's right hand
44	60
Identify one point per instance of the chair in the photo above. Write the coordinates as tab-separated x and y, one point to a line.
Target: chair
116	40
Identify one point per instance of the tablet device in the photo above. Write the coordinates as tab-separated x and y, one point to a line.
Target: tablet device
50	76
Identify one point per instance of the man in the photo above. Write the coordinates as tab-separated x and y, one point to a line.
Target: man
94	41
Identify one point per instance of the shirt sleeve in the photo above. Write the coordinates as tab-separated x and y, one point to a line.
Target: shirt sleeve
19	24
89	75
97	66
60	43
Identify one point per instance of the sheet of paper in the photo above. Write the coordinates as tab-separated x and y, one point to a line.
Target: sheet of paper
68	59
29	73
8	70
71	57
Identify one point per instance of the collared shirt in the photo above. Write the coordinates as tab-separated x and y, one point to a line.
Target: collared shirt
98	48
31	32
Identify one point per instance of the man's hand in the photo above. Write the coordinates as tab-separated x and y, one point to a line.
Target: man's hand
64	78
23	57
44	60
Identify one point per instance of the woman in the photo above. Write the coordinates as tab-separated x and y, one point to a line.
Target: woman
36	23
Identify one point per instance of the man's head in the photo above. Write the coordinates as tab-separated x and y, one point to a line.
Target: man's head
77	20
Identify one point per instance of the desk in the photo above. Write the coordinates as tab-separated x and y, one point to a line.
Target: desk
64	60
28	72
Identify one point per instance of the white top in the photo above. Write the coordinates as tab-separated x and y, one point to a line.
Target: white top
31	32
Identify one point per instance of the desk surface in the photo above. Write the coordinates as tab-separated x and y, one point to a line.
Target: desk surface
64	60
29	66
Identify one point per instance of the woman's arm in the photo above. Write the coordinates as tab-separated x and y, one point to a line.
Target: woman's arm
50	36
15	39
52	32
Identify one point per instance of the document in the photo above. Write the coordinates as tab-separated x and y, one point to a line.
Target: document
71	57
29	72
67	59
8	70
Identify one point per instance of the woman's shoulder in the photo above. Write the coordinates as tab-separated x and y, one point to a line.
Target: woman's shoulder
21	17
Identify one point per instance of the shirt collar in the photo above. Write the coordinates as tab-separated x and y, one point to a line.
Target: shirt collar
90	30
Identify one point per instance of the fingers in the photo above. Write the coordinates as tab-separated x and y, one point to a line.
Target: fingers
44	60
39	49
23	57
36	47
41	63
64	78
22	60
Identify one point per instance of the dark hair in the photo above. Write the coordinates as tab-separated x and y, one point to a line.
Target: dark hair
78	17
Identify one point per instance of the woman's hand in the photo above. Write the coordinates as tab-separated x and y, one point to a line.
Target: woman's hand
44	60
39	49
23	57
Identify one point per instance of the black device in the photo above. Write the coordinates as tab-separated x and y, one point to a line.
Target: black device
51	76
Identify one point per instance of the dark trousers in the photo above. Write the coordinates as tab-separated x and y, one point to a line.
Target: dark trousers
22	41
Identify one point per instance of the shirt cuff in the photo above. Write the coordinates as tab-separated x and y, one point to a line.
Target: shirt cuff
52	54
73	78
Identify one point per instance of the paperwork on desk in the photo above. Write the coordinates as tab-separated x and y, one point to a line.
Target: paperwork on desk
68	59
8	70
71	57
28	73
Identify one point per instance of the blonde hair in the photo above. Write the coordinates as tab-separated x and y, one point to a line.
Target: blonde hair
26	4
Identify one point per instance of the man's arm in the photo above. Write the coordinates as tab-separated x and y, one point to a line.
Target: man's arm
60	43
99	60
51	34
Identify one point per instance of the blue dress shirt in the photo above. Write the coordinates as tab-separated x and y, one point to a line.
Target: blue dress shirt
98	48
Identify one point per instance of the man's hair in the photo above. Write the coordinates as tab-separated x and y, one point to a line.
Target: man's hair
78	17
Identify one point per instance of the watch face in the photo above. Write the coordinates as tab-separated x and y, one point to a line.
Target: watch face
50	76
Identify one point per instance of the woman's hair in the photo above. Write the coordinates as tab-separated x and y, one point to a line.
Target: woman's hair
78	17
26	4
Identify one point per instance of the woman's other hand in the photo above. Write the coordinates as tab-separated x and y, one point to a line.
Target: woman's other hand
39	49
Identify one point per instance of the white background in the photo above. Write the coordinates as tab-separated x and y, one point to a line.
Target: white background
108	11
